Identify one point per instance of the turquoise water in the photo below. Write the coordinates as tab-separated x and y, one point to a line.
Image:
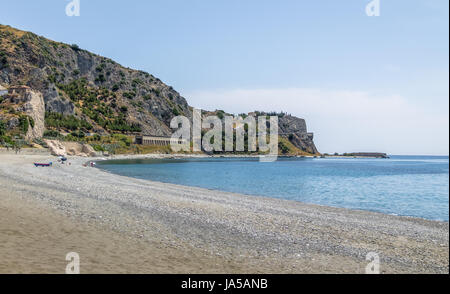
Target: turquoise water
403	185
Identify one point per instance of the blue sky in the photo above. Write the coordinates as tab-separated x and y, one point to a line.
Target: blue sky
363	83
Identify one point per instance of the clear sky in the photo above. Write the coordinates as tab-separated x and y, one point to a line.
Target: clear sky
362	83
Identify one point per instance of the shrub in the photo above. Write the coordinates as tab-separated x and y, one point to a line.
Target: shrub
101	78
129	95
40	142
24	123
2	128
119	124
78	134
284	149
96	137
136	82
220	114
75	47
3	60
101	67
51	134
157	91
70	122
122	138
98	148
175	111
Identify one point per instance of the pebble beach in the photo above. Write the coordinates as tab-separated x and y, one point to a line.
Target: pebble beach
125	225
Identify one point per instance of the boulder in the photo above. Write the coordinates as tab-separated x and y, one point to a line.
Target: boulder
59	148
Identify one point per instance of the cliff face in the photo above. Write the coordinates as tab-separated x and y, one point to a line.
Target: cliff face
24	111
74	89
76	82
294	129
34	107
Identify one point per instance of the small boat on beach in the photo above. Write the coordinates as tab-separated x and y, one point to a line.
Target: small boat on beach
42	164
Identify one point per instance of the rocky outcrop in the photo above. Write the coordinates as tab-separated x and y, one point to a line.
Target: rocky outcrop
64	73
79	149
294	129
59	148
34	107
25	108
56	147
54	103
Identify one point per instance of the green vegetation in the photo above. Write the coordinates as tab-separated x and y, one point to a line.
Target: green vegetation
157	91
9	140
100	79
51	134
98	105
119	124
129	95
3	60
75	47
273	113
283	148
175	111
115	143
69	122
220	114
24	123
101	67
78	134
2	128
136	82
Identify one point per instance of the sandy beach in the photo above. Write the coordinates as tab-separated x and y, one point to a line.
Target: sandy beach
125	225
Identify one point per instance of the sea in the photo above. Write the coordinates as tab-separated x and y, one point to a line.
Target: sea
416	186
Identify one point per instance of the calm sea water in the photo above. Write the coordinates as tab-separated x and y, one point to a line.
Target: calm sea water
403	185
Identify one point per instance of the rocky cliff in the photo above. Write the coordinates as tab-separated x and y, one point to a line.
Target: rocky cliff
96	89
32	104
294	129
73	89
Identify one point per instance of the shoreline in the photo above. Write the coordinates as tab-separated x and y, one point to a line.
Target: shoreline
225	232
182	156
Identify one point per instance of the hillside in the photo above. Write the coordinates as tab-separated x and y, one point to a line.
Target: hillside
82	93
